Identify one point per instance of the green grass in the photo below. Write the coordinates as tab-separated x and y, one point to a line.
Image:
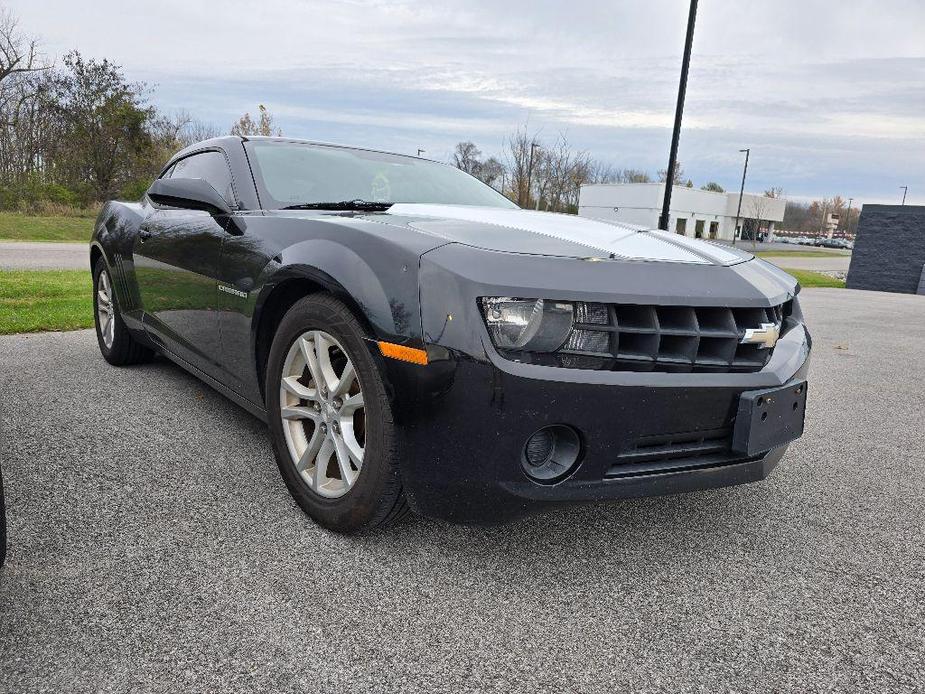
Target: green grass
38	300
808	278
799	254
21	227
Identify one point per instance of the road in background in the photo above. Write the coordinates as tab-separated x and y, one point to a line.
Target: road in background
39	255
818	264
44	255
153	547
778	246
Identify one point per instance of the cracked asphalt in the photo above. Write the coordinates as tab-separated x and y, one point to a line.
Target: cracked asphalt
154	548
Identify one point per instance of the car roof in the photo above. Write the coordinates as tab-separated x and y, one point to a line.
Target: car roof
227	140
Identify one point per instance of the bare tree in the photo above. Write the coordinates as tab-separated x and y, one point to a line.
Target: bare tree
262	126
18	53
467	157
759	206
490	171
565	171
636	176
677	179
602	172
196	131
23	122
774	192
519	153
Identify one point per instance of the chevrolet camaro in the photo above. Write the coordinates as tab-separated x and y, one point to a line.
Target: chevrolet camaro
415	341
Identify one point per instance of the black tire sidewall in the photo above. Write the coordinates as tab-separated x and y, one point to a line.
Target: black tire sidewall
376	488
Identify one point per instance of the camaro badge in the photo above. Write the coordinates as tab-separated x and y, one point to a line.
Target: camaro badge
765	337
231	290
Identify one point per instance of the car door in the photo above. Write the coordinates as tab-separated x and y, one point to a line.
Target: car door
177	257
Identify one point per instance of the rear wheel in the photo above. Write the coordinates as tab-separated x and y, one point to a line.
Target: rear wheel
330	419
116	342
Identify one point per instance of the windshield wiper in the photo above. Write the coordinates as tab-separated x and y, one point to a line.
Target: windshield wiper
364	205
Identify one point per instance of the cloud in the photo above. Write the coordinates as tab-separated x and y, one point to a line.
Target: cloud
830	99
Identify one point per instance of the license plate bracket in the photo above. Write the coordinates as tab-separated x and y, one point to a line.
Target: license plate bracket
769	418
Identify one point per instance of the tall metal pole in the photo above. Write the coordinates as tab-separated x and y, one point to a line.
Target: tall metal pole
735	228
905	190
533	146
848	217
679	111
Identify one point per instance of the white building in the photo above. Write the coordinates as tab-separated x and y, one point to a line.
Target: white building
694	212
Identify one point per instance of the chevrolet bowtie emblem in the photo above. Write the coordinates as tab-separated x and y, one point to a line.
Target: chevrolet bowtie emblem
765	336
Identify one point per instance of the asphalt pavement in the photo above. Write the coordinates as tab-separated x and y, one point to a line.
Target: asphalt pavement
154	548
44	255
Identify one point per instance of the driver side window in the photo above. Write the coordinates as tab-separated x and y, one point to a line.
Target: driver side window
209	166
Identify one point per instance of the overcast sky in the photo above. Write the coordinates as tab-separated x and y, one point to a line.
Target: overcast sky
830	96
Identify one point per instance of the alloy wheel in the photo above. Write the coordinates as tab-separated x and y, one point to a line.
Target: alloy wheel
323	413
105	309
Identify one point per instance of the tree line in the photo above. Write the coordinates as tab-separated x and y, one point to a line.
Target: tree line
79	132
810	217
75	133
545	175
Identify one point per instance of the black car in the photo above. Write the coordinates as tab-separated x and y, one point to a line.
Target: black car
416	341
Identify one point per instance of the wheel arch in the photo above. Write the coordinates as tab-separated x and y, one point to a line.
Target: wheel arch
95	254
288	286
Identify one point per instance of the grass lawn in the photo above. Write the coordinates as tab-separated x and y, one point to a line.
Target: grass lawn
799	254
808	278
37	300
21	227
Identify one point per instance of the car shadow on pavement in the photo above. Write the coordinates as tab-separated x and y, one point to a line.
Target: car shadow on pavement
660	531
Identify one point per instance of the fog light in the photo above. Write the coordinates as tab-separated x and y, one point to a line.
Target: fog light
551	453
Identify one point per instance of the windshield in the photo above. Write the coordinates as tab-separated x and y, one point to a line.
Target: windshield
291	173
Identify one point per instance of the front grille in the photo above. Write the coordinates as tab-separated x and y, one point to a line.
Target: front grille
630	337
664	453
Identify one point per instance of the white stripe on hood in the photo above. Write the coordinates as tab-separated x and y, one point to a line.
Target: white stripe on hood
622	240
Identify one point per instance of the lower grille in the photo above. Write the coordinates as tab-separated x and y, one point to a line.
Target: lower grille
664	453
627	337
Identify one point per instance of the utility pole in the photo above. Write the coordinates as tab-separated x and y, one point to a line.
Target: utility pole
905	190
735	228
679	111
421	151
533	146
848	217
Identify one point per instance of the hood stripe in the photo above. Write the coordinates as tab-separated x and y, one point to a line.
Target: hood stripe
621	240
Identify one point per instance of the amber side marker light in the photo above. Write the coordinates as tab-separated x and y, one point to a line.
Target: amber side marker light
402	353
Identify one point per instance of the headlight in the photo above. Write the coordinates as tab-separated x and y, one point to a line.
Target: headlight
527	325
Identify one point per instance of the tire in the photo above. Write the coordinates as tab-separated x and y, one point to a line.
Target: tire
316	442
116	343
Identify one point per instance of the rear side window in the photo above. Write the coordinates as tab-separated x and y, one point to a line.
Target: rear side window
210	167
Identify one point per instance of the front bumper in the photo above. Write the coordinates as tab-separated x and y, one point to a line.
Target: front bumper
464	432
466	416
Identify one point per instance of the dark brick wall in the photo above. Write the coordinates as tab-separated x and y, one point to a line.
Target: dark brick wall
889	250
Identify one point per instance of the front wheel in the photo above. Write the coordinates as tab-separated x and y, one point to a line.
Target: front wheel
330	419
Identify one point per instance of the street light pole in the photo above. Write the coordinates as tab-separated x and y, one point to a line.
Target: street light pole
679	111
533	146
905	190
848	217
735	228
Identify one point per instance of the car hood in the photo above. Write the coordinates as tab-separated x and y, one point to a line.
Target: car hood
560	235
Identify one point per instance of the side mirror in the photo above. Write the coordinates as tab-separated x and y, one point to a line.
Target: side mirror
188	193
